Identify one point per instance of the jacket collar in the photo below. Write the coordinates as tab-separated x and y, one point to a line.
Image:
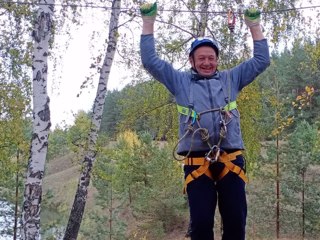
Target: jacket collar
197	77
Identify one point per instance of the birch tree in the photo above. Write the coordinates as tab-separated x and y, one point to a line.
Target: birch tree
90	154
41	122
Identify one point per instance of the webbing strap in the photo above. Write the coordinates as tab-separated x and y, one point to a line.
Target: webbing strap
186	111
203	169
230	106
229	166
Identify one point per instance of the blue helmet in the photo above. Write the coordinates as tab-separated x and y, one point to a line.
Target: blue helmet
204	41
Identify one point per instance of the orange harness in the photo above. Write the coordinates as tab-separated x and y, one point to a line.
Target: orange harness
204	164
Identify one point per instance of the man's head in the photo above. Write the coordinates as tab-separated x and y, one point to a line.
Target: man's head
203	56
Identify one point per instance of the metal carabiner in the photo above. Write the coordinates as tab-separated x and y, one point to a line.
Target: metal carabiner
231	20
223	130
223	124
213	155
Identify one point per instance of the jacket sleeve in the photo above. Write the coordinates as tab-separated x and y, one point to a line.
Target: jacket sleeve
247	71
158	68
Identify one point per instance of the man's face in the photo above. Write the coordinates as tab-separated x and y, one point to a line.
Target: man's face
204	60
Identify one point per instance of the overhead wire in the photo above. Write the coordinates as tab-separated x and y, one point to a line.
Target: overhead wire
94	6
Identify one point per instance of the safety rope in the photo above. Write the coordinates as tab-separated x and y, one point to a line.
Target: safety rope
130	9
214	152
231	26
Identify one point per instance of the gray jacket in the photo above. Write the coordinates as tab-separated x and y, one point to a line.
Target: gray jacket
206	94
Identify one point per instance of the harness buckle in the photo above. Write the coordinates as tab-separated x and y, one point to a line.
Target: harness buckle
191	114
213	155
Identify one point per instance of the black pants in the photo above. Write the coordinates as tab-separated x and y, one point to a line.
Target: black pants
229	192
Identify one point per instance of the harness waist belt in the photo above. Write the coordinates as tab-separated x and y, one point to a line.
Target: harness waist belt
203	164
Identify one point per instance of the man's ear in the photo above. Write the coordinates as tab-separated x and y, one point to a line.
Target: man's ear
191	61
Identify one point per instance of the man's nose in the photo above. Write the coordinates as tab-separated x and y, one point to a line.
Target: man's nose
206	61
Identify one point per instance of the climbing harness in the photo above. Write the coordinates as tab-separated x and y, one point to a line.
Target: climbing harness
214	154
204	164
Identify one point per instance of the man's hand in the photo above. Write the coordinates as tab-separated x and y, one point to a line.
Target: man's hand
252	17
148	12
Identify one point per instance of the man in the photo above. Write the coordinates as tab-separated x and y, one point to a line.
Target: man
210	136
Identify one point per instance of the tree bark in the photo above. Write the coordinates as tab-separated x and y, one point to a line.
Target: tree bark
15	226
79	203
41	123
203	18
303	203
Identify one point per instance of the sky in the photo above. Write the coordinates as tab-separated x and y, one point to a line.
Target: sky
65	79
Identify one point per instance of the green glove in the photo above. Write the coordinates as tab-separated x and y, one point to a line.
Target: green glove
148	9
252	17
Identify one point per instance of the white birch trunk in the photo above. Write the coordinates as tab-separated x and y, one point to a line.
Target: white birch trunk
41	123
90	155
204	5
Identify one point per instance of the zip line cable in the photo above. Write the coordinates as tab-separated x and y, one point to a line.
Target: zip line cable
92	6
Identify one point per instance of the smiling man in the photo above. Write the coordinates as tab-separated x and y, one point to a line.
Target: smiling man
203	56
209	130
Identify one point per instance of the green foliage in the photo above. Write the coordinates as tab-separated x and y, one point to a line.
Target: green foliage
299	194
261	218
14	133
53	220
145	107
289	103
158	202
58	143
303	145
313	51
112	113
299	190
283	90
104	220
15	88
144	181
77	136
250	108
97	226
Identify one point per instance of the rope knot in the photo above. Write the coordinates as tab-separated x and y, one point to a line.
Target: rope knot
204	134
190	128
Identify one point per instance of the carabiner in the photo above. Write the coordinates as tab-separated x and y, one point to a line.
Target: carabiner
231	20
213	155
223	124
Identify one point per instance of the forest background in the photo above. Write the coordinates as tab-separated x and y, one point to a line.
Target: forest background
136	187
